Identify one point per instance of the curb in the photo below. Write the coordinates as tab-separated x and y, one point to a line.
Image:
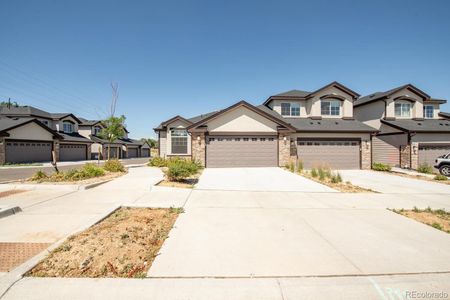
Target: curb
59	187
8	211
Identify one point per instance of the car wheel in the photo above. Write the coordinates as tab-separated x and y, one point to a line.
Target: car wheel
445	170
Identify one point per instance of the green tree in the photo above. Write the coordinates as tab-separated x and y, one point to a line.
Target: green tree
152	142
114	128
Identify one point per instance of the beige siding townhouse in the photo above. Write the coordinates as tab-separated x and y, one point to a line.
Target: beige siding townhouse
412	131
317	128
70	147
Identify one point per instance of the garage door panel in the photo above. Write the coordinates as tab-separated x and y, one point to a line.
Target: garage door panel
240	151
72	152
332	154
27	151
386	149
132	152
429	153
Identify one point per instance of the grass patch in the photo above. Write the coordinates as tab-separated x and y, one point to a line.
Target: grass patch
426	169
438	218
123	245
381	167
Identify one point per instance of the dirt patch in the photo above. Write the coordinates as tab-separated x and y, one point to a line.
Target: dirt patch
185	184
438	219
421	177
14	254
345	187
11	192
123	245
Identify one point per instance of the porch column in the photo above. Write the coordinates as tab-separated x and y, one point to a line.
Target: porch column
405	156
56	150
366	154
284	149
198	148
414	155
2	150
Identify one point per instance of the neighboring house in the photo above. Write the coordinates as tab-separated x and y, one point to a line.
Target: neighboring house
412	130
317	128
70	146
121	148
26	140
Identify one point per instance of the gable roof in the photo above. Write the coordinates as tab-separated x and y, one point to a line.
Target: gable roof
31	111
247	105
300	95
7	124
189	121
382	95
445	115
86	122
426	125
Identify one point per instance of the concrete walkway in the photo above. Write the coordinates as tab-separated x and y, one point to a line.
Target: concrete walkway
393	184
257	179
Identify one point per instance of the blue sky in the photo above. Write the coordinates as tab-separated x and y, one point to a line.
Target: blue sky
192	57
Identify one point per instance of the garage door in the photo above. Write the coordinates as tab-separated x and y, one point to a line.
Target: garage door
114	152
145	152
72	152
241	151
132	152
386	149
27	151
429	153
334	154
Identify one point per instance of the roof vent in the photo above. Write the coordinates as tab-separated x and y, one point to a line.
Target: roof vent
336	122
419	124
441	124
312	123
318	123
371	96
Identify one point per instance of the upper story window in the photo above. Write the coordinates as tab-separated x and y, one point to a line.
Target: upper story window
403	110
330	107
97	130
428	111
68	127
290	109
45	122
179	139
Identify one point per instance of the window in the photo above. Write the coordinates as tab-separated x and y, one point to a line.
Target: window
290	109
285	109
428	111
330	108
179	141
67	127
403	110
97	130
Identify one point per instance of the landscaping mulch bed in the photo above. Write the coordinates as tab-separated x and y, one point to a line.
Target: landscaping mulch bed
11	192
123	245
107	176
439	219
419	177
185	184
345	187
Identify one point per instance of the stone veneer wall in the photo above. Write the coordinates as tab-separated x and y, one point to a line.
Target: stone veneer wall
284	149
2	150
414	155
198	147
56	149
405	156
366	154
89	151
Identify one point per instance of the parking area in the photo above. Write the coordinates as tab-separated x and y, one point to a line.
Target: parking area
257	179
393	184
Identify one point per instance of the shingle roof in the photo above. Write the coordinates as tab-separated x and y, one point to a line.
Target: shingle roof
325	124
103	141
74	137
427	125
129	141
201	117
24	111
294	93
379	95
6	123
86	122
444	114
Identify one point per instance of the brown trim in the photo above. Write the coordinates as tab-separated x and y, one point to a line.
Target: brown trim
242	133
316	117
338	86
348	118
335	97
390	118
245	104
409	86
71	115
391	133
434	101
177	117
54	133
428	144
336	131
405	98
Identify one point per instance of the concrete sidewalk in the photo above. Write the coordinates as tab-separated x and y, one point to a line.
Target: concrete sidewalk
348	288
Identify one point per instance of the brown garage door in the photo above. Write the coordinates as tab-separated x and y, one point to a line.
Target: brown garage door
429	153
27	151
145	152
72	152
386	149
334	154
241	151
115	151
132	152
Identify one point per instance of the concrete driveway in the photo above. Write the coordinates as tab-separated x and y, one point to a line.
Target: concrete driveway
393	184
247	234
257	179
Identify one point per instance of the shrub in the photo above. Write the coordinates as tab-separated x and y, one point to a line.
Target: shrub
39	175
92	170
381	167
424	168
291	167
180	169
314	172
157	162
336	178
114	165
440	177
321	174
300	166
